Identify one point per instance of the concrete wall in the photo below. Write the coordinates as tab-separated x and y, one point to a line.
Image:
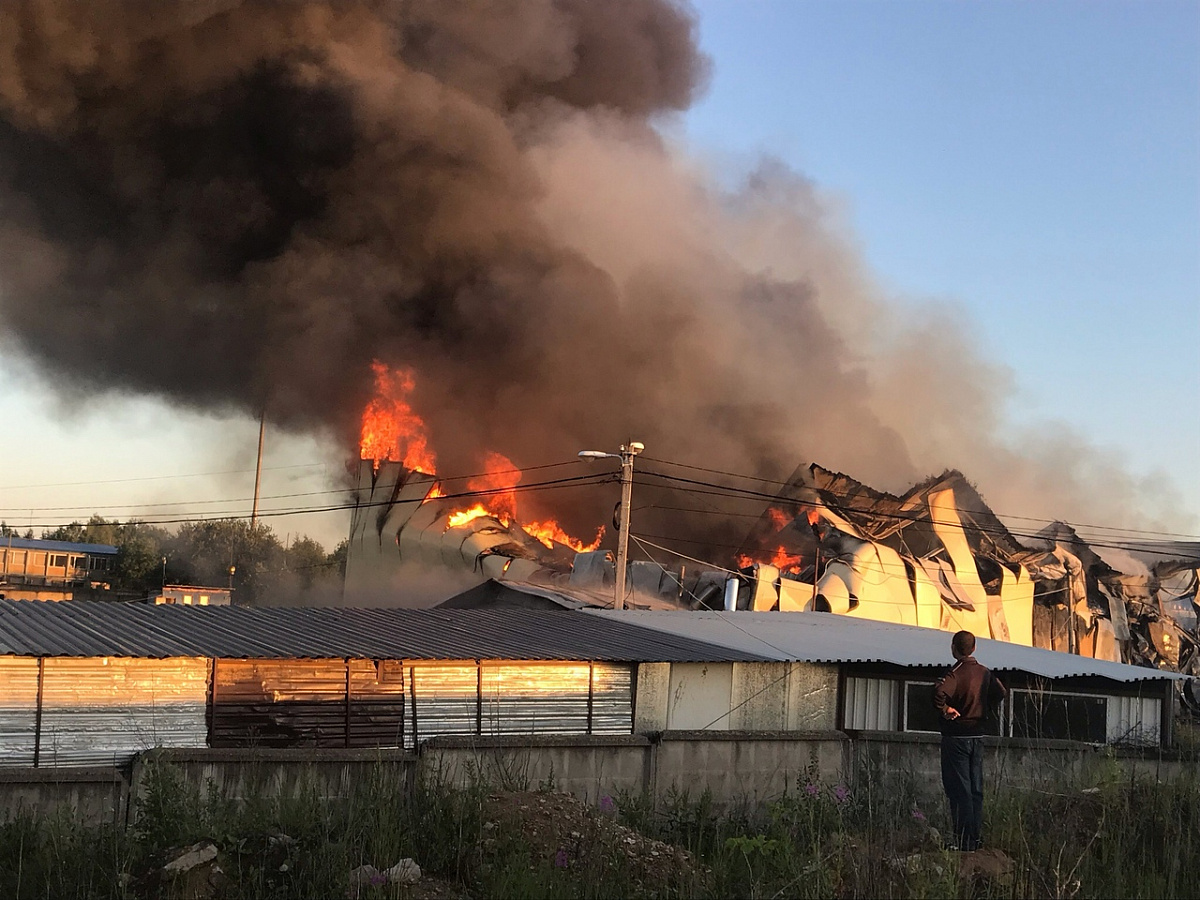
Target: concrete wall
91	796
732	766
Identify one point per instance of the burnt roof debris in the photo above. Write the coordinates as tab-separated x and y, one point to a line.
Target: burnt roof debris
1132	601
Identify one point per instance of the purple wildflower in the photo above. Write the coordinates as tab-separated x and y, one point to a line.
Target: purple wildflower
607	804
811	789
918	815
840	793
561	859
379	878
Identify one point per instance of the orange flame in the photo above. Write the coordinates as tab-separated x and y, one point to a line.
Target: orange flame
465	516
390	428
550	533
779	519
499	478
780	559
786	562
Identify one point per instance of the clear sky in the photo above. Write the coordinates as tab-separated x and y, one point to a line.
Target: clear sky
1038	163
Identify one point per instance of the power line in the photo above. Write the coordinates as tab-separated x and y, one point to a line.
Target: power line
1001	531
828	490
17	487
438	480
575	481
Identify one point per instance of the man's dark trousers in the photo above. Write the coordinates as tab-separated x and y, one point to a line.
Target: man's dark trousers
962	777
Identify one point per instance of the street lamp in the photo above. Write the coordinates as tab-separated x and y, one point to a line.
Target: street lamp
628	452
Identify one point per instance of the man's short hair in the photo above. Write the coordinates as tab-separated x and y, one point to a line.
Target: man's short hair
963	643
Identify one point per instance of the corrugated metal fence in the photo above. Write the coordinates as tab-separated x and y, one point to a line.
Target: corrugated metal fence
88	711
78	712
391	703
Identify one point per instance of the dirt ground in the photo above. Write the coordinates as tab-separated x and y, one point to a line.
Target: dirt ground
567	832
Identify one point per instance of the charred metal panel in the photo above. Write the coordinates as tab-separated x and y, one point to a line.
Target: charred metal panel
307	703
18	709
104	710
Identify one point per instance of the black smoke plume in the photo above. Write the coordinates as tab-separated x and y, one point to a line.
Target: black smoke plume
239	205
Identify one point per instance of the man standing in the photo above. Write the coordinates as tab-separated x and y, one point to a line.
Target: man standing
965	696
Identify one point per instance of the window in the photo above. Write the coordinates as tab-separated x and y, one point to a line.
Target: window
98	563
1071	717
921	715
872	704
58	561
37	560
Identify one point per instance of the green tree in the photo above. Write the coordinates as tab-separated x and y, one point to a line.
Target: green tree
74	533
337	559
205	552
306	559
139	555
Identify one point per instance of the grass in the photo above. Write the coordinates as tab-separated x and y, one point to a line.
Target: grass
1103	834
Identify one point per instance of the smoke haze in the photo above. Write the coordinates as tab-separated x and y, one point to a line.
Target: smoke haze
239	205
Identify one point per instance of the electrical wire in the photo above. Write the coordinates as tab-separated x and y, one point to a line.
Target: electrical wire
575	481
1000	515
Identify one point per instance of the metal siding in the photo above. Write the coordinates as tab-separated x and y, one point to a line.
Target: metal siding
377	704
104	711
535	698
18	709
445	698
289	703
504	697
612	699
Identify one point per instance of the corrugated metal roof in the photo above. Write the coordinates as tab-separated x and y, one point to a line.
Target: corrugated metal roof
829	638
60	546
82	628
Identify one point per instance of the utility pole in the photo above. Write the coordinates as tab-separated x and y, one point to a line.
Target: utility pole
628	452
262	427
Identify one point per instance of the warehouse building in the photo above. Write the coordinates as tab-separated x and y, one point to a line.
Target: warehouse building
96	683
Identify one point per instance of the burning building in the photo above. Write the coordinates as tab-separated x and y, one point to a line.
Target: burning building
935	556
405	517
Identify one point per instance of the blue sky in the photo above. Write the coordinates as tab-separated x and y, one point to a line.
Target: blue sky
1038	163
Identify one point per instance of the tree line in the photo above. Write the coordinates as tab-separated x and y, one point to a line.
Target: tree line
213	553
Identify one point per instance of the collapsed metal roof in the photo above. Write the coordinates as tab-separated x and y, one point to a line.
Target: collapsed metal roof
90	629
828	638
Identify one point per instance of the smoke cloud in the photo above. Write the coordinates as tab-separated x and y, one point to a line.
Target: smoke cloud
240	205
